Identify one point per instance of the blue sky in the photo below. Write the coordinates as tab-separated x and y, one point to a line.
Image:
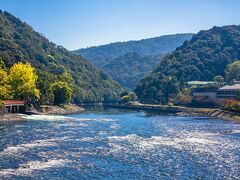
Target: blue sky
82	23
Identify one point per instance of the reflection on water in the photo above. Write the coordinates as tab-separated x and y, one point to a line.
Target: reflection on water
120	144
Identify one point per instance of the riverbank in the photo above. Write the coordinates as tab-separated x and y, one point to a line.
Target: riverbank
178	110
225	114
61	109
10	117
181	110
45	110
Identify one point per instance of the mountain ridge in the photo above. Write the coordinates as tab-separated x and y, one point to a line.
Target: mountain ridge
113	57
100	55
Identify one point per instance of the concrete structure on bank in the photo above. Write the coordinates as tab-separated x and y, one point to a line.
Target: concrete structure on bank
214	94
205	94
15	106
228	92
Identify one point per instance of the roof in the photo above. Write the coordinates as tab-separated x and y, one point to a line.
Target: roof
14	102
231	87
200	82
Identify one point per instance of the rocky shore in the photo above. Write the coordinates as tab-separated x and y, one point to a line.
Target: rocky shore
60	110
45	110
10	117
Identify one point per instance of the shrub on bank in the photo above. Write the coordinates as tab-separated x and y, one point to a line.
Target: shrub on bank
233	105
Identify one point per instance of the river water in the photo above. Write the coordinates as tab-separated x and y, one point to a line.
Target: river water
119	144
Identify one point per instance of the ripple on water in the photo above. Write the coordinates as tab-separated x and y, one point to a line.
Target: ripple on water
28	168
118	146
20	148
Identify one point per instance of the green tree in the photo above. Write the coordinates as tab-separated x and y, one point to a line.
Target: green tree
2	64
62	92
22	80
219	79
129	97
44	84
4	87
232	72
132	96
66	77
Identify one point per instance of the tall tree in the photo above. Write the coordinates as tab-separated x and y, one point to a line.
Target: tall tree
22	79
63	93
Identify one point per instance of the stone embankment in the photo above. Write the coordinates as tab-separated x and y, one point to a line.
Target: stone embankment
60	110
225	114
183	111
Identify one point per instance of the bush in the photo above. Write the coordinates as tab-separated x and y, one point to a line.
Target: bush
62	92
170	104
233	105
129	97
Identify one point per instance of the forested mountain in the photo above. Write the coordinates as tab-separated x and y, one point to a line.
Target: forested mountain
19	42
102	55
130	68
204	56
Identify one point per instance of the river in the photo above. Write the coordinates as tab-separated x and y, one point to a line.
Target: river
119	144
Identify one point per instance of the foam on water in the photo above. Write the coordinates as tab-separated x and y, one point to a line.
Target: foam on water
31	166
20	148
46	117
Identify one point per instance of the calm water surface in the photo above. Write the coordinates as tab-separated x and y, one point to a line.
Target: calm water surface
118	144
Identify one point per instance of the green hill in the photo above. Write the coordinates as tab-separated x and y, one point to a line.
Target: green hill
130	68
128	62
102	55
19	42
204	56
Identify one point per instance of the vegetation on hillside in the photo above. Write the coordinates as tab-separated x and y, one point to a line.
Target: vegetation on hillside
205	56
128	62
19	42
130	68
102	55
232	71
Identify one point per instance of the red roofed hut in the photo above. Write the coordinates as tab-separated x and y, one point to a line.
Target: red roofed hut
15	106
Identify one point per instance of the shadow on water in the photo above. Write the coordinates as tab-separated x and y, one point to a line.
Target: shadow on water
156	113
110	110
106	110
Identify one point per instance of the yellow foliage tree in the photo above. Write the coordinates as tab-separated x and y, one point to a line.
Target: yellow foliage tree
22	80
4	88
